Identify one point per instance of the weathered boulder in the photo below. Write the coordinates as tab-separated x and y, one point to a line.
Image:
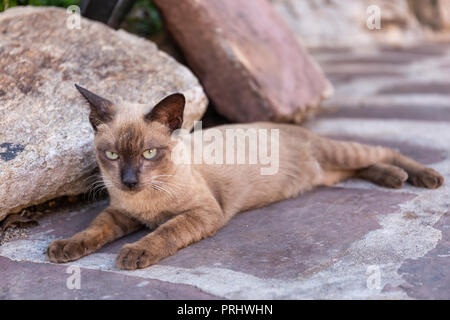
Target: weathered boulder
248	61
46	142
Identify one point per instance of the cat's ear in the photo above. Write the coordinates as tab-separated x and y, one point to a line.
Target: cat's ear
102	110
169	111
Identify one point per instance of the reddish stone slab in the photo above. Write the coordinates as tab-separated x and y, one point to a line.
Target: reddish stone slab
424	113
427	49
292	238
330	50
392	58
249	62
295	237
429	276
337	77
422	88
27	280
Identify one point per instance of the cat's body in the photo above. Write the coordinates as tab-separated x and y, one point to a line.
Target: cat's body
188	202
234	187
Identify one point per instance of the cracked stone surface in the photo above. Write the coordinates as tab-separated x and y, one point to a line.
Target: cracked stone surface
352	241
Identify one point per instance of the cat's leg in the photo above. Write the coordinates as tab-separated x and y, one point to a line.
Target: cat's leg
332	177
169	237
106	227
385	175
418	175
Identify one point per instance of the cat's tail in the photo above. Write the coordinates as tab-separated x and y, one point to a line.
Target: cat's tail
357	157
344	155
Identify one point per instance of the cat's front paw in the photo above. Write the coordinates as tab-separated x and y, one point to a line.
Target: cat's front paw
132	257
61	251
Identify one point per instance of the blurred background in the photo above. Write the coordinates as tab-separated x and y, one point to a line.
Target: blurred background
316	22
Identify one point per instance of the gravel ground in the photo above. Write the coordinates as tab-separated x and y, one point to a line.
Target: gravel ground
13	234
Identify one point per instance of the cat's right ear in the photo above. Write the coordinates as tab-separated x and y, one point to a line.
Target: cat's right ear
102	110
169	111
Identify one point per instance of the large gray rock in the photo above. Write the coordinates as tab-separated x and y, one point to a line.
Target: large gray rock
46	142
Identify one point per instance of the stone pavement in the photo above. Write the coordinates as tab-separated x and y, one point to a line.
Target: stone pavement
351	241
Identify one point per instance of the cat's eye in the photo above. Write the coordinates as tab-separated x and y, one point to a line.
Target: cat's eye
111	155
149	154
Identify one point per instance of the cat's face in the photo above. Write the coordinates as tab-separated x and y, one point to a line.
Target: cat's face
133	146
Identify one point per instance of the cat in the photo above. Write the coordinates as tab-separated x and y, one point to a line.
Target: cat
186	202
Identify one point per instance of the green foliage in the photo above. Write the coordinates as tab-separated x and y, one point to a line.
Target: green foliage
144	19
56	3
4	4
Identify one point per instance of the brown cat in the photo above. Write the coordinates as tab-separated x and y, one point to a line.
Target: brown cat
187	202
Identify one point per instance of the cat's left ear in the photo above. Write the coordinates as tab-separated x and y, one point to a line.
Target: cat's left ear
169	111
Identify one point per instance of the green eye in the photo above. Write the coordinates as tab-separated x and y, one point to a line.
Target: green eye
111	155
149	154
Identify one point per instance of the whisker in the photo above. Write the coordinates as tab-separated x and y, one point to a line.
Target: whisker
162	188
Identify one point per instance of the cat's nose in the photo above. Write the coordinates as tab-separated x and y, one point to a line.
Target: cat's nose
130	184
129	178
